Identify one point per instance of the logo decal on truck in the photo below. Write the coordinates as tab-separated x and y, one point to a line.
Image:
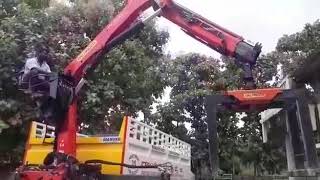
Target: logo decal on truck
134	160
111	139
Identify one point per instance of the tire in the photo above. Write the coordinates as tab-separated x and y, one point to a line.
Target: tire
165	176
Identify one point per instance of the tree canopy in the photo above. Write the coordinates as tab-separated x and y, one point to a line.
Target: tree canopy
192	77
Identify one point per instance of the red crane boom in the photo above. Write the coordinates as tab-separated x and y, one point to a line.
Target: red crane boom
124	25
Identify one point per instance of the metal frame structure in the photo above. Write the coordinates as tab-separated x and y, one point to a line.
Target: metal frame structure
292	101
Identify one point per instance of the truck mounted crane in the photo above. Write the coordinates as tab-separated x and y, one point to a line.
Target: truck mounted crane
64	88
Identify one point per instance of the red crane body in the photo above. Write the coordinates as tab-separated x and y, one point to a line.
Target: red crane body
126	23
209	33
88	57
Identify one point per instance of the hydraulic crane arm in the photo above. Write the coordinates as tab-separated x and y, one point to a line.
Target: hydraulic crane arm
121	28
216	37
127	23
90	55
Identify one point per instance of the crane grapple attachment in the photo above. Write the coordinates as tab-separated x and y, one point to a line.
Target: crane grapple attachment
247	53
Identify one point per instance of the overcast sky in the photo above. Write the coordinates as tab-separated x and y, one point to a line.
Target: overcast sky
262	21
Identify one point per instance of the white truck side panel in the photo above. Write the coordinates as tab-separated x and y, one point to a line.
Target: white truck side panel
146	145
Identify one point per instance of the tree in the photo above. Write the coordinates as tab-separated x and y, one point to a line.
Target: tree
293	50
192	77
37	4
170	119
8	8
262	157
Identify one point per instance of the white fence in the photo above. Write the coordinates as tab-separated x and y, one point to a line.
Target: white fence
147	134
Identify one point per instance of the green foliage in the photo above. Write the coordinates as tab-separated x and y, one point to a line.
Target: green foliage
37	4
11	149
262	157
292	50
307	41
7	7
170	119
130	80
3	126
264	71
193	76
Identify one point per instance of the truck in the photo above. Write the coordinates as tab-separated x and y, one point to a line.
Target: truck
136	144
70	155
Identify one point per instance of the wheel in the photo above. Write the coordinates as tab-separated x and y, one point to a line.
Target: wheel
16	176
165	176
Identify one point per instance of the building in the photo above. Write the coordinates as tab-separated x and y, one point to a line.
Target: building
297	129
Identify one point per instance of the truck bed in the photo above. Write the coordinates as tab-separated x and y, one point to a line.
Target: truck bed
135	144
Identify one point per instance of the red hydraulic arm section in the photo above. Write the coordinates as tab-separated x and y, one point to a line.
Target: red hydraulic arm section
209	33
90	55
128	22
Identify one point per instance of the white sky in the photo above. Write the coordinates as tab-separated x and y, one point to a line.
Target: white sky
263	21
